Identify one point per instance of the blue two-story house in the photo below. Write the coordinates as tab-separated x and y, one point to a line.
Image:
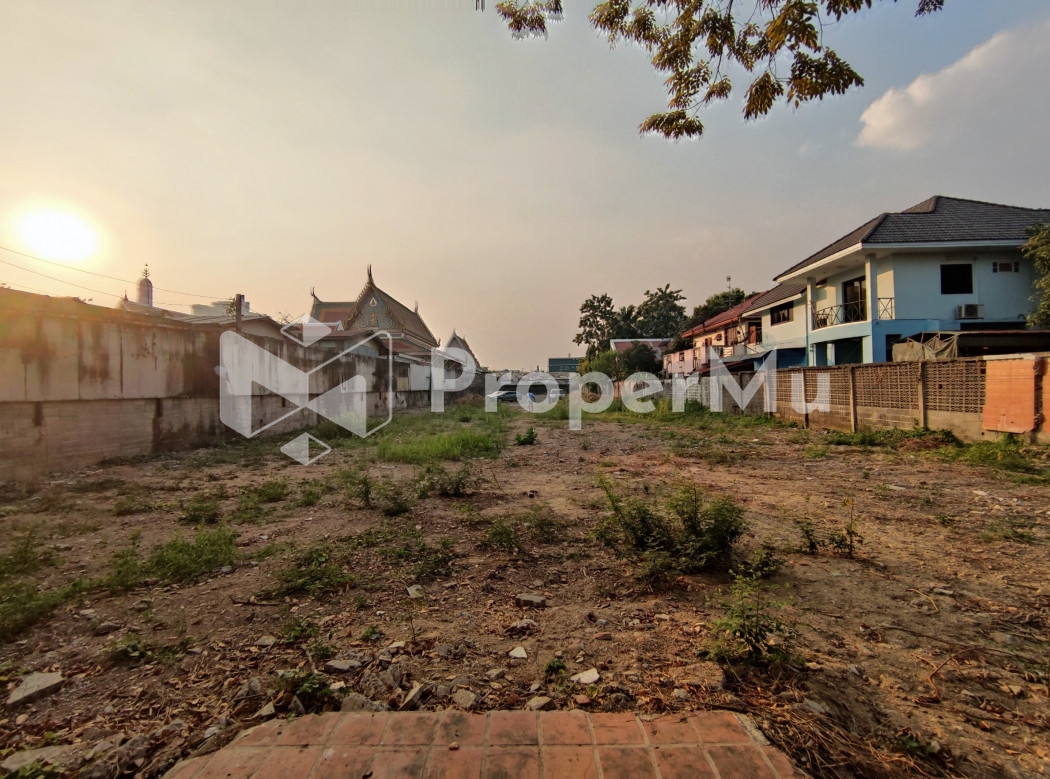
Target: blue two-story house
944	264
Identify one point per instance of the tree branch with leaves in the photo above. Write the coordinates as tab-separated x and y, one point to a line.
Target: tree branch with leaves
696	44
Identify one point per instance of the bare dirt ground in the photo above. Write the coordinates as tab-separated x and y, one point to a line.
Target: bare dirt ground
924	654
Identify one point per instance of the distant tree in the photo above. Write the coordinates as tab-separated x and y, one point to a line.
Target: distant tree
1037	249
661	314
626	324
640	358
716	304
696	43
637	358
598	321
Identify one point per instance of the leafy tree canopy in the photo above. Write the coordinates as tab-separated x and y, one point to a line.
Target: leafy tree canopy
695	44
1037	249
638	358
660	315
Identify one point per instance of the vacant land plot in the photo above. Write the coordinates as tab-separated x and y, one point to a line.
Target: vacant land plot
878	603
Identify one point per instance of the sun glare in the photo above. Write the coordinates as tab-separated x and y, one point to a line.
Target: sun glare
57	235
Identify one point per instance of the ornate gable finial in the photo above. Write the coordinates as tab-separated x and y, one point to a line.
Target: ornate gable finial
416	307
370	275
145	271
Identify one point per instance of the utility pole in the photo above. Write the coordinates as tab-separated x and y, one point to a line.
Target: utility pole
239	304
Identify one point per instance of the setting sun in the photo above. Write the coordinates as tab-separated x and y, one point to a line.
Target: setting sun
57	235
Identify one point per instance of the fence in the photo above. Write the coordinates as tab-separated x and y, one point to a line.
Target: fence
973	398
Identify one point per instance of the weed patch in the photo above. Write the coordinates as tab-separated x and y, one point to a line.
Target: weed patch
315	571
694	533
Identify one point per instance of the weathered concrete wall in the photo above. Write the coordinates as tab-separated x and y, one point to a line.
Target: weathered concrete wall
80	383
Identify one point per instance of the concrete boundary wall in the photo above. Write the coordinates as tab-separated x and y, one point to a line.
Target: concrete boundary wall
975	398
80	384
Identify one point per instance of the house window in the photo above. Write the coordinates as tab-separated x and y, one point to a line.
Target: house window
1006	267
782	313
957	279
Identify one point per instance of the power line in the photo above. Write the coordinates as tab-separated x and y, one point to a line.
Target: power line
103	275
60	281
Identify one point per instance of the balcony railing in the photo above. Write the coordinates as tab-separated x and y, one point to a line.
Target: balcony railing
851	312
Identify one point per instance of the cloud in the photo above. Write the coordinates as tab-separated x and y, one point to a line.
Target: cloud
999	82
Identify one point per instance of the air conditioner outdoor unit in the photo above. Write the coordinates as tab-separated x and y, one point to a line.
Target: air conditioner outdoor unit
969	311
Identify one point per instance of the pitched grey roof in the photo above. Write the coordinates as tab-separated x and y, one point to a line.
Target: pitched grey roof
938	219
780	292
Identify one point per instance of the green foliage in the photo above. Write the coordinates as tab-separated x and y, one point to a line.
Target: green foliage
458	444
132	650
372	633
1037	249
528	439
695	533
129	505
312	690
181	560
315	571
435	480
762	564
202	509
501	535
843	542
695	47
311	492
23	604
554	667
392	497
299	630
28	554
929	439
746	631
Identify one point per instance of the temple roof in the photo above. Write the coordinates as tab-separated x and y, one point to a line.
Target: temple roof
375	310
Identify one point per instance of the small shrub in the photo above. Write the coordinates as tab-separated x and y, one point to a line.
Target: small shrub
501	535
310	493
129	505
359	487
315	571
202	509
554	667
762	564
133	650
28	554
312	690
528	439
812	541
815	452
656	570
435	480
698	533
542	524
181	560
97	485
846	541
299	630
745	633
392	498
432	562
372	633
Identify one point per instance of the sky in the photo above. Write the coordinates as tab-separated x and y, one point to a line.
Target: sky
271	148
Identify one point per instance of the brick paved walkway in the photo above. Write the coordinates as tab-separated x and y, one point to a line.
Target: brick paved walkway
511	744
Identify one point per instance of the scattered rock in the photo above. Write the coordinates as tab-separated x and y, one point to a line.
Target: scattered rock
34	687
539	703
522	627
680	694
415	592
815	706
413	699
396	647
582	700
535	687
266	641
528	600
606	636
341	666
55	756
590	676
465	699
266	712
357	702
105	628
518	653
495	673
454	746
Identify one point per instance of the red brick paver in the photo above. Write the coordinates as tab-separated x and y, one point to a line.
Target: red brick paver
512	744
